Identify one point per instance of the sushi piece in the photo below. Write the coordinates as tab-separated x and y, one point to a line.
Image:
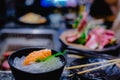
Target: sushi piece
37	55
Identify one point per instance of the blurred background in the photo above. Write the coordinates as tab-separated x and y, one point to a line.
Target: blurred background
39	23
44	18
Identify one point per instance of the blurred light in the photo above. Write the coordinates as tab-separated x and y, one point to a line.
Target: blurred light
29	2
57	3
46	3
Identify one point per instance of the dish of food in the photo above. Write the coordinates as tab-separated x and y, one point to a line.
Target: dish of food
91	36
96	38
35	62
32	18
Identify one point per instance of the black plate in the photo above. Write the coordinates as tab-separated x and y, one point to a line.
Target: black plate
107	73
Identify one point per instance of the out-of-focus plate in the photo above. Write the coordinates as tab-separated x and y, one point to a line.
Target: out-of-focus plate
32	18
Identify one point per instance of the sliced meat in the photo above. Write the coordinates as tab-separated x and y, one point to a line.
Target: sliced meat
92	42
110	32
81	25
72	38
98	30
103	41
7	54
83	22
103	36
5	65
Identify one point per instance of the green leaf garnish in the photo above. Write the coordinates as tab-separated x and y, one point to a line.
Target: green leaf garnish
77	21
82	38
38	60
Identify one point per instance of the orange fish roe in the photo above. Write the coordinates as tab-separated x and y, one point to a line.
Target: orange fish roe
33	56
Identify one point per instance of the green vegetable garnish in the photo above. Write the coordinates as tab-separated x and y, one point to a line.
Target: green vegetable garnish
38	60
77	21
54	55
82	38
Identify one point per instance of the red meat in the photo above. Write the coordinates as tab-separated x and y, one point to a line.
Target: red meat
72	38
5	65
7	54
92	42
99	36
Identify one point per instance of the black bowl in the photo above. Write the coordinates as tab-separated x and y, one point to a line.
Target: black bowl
23	75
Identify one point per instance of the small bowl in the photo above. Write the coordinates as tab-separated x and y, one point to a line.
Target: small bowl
23	75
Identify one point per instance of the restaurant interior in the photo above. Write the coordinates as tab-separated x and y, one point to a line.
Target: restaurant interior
86	33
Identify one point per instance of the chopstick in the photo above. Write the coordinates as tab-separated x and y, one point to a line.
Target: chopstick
89	70
90	64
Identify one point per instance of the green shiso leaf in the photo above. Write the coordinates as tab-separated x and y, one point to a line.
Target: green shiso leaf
82	39
38	60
